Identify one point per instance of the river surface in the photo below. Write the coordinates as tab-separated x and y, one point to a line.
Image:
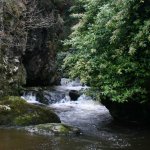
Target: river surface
99	132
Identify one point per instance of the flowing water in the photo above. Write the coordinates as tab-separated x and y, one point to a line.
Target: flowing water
99	132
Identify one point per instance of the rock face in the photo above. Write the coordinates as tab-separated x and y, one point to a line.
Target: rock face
129	112
39	58
15	111
12	47
43	37
29	35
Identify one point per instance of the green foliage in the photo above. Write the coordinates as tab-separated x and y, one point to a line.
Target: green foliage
112	53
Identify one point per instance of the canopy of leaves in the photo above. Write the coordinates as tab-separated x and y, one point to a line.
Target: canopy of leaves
111	49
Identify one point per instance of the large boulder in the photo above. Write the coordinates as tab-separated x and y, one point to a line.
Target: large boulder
131	112
15	111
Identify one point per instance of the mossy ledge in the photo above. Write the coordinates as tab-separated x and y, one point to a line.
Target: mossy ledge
14	111
53	129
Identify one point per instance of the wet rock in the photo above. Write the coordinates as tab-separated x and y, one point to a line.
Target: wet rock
74	95
40	97
53	129
44	96
15	111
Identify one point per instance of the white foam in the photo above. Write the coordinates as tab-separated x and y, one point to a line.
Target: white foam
30	97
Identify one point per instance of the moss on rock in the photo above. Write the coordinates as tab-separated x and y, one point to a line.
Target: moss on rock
53	129
16	111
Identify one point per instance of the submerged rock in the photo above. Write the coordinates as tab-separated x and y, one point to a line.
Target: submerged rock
15	111
53	129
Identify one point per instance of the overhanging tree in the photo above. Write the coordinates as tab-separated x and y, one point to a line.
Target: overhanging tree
112	49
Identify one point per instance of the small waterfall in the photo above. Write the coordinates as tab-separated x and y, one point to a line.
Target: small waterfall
44	96
56	94
30	97
69	82
80	112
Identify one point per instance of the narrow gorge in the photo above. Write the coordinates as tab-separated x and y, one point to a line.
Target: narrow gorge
74	74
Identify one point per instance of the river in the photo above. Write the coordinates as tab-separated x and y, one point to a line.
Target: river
99	131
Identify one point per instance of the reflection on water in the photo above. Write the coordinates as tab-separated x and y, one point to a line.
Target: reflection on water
11	139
